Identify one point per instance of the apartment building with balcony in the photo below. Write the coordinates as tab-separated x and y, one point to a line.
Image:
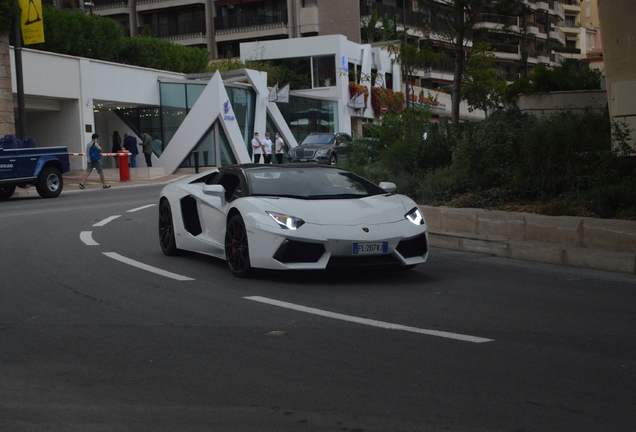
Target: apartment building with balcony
534	35
220	26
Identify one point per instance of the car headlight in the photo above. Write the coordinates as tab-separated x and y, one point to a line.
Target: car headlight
291	153
321	152
286	221
415	216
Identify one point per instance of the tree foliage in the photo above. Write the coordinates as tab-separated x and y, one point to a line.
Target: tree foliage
7	13
483	86
459	19
75	33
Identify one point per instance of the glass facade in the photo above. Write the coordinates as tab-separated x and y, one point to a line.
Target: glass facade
302	115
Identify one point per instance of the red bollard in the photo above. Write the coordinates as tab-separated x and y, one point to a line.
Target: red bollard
124	170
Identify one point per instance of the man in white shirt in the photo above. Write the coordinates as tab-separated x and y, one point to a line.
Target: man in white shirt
257	148
267	148
279	144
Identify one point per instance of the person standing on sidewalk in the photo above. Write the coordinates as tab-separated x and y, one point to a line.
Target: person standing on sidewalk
267	149
116	147
93	151
257	148
146	146
130	144
279	144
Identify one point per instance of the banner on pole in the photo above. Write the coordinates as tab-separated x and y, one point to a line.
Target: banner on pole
31	22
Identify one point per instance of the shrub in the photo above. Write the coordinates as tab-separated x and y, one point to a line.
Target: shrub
157	54
75	33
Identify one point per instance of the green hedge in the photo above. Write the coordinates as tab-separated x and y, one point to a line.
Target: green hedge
576	159
92	36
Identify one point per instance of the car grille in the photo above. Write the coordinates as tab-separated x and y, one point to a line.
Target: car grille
304	153
416	246
363	261
292	251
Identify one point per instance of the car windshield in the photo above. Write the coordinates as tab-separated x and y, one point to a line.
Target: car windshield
318	139
309	183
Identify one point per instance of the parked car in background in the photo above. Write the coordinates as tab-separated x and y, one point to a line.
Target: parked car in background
22	165
321	147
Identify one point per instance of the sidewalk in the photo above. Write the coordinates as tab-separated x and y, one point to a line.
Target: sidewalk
72	179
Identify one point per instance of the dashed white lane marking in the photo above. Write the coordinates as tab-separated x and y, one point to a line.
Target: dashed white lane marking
146	267
87	238
140	208
105	221
369	322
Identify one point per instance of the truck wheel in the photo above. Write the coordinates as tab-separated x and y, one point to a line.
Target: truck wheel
6	191
50	182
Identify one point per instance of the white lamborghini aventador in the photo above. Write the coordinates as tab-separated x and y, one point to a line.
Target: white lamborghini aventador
291	217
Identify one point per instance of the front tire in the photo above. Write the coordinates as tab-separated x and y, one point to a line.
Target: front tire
6	191
237	252
50	182
167	238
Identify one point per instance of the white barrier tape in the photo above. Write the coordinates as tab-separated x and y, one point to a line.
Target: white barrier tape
103	154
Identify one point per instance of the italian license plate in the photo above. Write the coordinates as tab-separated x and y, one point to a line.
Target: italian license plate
370	248
303	160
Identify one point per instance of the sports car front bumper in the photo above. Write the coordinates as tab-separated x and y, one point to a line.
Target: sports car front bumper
315	246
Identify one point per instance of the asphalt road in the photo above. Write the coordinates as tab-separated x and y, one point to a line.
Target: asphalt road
99	331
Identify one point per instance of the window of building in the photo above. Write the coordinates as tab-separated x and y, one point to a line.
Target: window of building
324	71
588	14
305	115
570	21
310	3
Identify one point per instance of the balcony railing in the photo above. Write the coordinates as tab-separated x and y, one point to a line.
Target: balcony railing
249	19
109	3
443	66
413	18
505	48
177	28
498	19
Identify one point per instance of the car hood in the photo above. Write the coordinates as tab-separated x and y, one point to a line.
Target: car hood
375	209
313	146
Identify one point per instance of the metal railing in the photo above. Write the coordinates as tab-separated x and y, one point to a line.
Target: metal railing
250	18
413	18
99	3
498	19
177	28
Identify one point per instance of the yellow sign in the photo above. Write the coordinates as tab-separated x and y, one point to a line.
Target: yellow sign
31	21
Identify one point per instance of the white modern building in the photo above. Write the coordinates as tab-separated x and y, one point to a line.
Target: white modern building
213	117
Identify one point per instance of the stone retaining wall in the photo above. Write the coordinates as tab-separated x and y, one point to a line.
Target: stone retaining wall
582	242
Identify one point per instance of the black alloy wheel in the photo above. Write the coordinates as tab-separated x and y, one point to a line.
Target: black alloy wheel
237	251
166	230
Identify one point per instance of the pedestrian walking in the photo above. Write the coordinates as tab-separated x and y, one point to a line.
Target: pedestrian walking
93	150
